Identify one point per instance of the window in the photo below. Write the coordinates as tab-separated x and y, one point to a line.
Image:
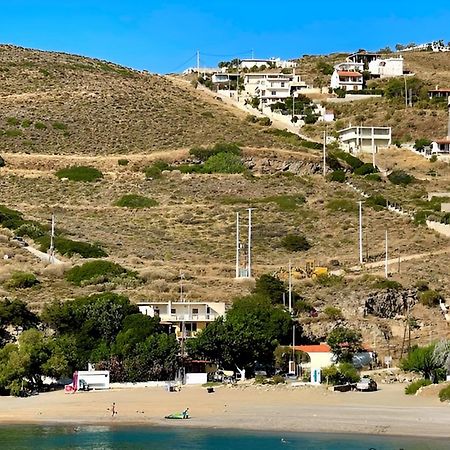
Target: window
274	92
173	311
194	310
282	84
156	311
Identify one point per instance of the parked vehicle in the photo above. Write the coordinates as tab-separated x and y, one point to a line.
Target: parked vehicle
366	384
20	240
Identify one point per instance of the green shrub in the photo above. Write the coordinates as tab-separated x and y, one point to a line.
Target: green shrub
190	168
336	175
80	173
26	123
265	121
348	158
295	243
223	163
444	394
69	247
342	204
365	169
373	177
203	153
12	132
40	126
421	286
59	126
31	229
430	298
96	271
13	121
277	379
22	280
400	177
377	202
420	144
303	306
161	165
328	280
387	284
123	162
433	158
135	201
10	218
284	202
333	313
340	374
413	387
152	172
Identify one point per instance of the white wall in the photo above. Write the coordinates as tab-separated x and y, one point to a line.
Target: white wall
196	378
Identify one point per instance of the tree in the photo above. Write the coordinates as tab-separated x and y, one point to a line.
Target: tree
270	287
295	243
344	343
421	360
251	332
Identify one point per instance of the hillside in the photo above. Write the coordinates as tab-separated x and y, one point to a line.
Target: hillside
59	103
190	229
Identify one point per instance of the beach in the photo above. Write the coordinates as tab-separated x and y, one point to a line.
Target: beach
254	407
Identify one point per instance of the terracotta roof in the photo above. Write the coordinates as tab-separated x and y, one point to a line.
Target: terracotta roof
443	141
439	90
347	73
318	348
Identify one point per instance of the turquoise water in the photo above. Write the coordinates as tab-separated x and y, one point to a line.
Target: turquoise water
105	437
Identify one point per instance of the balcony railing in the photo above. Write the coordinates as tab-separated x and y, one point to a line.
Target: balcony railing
189	317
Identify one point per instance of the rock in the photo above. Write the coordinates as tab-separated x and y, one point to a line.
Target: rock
390	303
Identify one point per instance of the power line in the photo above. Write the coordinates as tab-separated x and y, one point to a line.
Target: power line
184	63
228	55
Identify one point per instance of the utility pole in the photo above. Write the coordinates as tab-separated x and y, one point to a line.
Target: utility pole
52	240
324	153
290	288
249	252
198	62
360	234
374	150
406	92
237	245
181	286
386	257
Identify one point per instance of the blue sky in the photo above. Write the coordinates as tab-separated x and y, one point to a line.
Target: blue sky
163	36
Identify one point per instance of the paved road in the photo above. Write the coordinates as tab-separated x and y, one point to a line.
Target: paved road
42	256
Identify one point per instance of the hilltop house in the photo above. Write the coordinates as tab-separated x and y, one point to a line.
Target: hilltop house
278	63
386	67
355	139
347	76
441	147
268	87
184	319
439	93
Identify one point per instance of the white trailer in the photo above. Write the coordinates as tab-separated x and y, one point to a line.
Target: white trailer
95	379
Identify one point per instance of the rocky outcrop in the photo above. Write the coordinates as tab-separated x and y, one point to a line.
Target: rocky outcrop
272	165
390	303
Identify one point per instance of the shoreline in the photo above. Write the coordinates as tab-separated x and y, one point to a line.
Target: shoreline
252	408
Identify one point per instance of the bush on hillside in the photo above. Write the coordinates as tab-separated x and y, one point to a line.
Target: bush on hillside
348	158
223	163
80	173
22	280
340	374
135	201
333	313
365	169
10	218
33	230
373	177
69	247
203	153
336	175
444	394
152	172
122	162
303	306
295	243
99	271
413	387
430	298
387	284
400	177
342	204
377	202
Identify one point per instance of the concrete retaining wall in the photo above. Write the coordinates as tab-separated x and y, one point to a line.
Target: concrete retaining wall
441	228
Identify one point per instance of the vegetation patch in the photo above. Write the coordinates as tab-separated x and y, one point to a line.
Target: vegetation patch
69	247
22	280
80	173
400	177
336	175
341	205
413	387
444	394
135	201
295	243
387	284
95	272
430	298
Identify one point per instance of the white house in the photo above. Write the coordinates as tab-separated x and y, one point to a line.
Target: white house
356	139
219	78
268	87
268	62
386	67
348	79
184	318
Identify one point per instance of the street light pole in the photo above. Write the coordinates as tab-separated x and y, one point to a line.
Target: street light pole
360	234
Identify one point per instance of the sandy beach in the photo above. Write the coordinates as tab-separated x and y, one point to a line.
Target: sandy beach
277	408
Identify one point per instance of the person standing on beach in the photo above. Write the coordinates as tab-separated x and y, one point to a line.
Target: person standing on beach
113	410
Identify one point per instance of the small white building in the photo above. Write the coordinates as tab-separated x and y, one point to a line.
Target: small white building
219	78
185	318
356	139
278	63
268	87
386	67
348	80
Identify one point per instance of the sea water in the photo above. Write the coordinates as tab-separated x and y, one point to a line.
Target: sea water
128	437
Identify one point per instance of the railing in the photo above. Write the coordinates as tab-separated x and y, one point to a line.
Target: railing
189	317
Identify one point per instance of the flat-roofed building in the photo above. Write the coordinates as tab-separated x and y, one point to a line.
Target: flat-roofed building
355	139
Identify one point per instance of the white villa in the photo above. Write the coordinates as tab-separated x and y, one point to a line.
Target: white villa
387	67
268	87
355	139
185	318
268	62
347	76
